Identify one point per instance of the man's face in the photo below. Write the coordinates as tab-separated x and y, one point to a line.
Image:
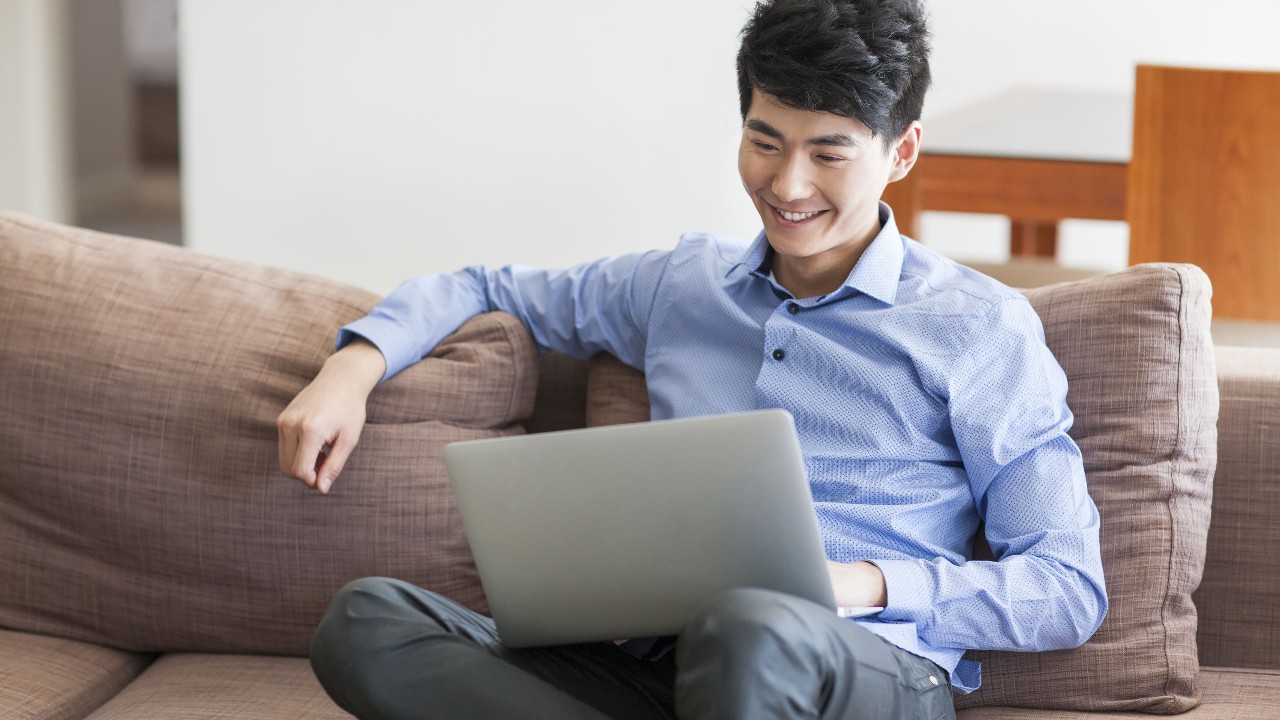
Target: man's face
816	180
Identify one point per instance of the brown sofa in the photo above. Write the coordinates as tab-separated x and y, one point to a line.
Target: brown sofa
154	563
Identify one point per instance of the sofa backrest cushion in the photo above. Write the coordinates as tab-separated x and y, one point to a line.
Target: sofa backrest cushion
1136	349
141	504
561	401
1142	383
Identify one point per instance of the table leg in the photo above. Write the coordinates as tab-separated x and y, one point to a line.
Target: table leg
1034	238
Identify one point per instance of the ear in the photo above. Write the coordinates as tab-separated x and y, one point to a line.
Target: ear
905	151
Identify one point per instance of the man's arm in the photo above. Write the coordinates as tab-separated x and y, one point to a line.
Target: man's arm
320	428
602	306
1007	401
597	307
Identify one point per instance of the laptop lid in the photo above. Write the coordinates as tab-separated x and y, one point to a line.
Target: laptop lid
623	531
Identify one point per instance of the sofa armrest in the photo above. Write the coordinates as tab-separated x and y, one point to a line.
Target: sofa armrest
1239	596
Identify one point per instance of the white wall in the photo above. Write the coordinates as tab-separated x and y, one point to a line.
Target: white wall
368	142
982	47
35	161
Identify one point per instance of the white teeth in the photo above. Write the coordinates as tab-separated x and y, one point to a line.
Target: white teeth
797	217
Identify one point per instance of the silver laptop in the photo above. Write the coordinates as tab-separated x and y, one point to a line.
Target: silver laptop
623	531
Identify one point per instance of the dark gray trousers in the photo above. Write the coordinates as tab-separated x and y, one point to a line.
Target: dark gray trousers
389	650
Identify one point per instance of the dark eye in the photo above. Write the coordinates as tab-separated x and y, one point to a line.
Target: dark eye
830	158
763	145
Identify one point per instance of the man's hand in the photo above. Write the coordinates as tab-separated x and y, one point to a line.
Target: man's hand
859	584
322	425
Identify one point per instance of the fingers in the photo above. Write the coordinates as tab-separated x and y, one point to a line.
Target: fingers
306	456
298	447
332	463
312	453
320	427
289	433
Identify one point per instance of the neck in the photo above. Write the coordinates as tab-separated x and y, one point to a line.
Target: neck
801	278
820	274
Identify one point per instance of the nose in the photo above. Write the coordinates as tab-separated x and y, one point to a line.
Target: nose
793	181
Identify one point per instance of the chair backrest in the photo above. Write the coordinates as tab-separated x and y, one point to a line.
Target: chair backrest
1204	182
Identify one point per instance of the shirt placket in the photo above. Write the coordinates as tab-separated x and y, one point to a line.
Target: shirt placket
778	355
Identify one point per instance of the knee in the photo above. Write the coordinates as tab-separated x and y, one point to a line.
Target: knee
750	652
745	620
337	639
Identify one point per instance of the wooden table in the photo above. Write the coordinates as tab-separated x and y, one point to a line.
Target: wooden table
1036	156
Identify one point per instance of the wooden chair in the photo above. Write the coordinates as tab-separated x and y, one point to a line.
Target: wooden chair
1204	181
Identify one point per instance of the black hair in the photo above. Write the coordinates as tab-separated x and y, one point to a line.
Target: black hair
863	59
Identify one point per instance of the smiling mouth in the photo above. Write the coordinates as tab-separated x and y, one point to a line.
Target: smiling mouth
796	218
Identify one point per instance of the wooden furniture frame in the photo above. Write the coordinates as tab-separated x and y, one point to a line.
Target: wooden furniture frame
1204	183
1036	156
1035	194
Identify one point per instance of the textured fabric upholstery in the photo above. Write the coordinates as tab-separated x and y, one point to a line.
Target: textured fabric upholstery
616	394
47	678
217	687
1239	600
143	505
561	401
1136	349
1228	694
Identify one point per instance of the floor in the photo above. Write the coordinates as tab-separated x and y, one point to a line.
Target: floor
155	213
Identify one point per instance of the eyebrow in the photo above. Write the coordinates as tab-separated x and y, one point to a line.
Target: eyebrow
833	139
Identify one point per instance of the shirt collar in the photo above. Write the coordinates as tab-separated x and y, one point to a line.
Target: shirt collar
876	272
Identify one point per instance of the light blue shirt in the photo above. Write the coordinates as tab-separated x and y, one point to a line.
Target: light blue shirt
924	397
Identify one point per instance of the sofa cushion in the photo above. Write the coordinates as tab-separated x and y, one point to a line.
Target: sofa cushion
1228	694
1239	600
1136	349
562	394
47	678
234	687
616	394
142	504
1139	360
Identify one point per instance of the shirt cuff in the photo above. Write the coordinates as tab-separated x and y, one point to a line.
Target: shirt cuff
908	585
396	347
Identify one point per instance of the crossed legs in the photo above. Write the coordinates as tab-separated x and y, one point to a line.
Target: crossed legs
387	650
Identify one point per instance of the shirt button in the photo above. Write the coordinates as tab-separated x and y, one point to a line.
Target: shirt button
793	308
779	354
933	679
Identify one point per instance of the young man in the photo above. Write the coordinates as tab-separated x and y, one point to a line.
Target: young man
925	400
